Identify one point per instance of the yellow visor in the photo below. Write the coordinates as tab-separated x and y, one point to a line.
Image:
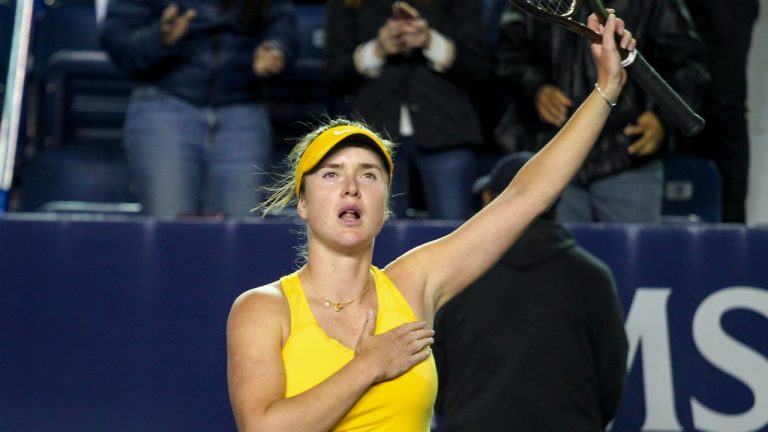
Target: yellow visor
328	139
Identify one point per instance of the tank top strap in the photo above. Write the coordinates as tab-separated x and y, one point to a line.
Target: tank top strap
297	302
390	298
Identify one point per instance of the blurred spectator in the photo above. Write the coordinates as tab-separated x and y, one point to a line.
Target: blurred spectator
538	342
727	31
550	70
412	71
197	134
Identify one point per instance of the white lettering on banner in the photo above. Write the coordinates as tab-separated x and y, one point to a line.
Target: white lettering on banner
647	330
732	357
647	324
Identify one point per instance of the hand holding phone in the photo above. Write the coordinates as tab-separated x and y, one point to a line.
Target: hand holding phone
404	11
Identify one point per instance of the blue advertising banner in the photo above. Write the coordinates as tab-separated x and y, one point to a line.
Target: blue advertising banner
119	324
696	308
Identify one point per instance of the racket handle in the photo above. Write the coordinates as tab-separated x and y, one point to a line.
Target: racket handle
665	97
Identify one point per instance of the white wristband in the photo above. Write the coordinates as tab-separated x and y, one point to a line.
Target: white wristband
630	58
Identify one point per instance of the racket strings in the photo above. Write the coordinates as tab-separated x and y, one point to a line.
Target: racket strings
557	7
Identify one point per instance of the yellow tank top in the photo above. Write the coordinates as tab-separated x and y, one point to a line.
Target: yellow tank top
403	404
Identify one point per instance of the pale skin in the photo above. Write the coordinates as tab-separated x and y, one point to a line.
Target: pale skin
406	31
343	204
403	33
174	24
267	61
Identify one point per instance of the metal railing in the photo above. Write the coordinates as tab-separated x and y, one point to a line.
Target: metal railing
14	94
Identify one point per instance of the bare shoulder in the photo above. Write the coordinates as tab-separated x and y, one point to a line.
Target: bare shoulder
269	295
401	271
264	307
409	271
264	299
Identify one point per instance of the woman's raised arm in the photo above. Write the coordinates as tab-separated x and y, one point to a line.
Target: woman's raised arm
440	269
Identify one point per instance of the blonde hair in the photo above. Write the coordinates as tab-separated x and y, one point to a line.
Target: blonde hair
282	194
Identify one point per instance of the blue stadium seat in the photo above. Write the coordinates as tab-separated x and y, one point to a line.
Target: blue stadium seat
83	100
63	25
79	176
692	190
79	157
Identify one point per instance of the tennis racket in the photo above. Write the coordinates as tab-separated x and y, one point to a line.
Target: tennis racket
561	12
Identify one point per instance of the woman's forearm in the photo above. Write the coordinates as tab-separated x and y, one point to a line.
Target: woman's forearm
317	409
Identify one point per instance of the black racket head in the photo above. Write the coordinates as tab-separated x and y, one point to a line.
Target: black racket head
558	12
561	8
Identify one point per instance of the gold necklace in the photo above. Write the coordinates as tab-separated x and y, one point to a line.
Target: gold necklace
338	306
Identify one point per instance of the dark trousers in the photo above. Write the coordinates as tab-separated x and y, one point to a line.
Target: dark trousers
727	31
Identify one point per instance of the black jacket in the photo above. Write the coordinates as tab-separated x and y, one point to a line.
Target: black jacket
536	344
532	53
440	104
212	63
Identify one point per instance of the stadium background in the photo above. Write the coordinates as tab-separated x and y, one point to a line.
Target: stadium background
116	322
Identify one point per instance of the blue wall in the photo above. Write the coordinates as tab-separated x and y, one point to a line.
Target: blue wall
119	325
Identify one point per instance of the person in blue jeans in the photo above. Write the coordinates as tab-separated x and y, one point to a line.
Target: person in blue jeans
411	70
197	134
547	73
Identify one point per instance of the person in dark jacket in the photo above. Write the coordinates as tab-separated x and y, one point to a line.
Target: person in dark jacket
538	342
197	134
412	75
547	68
727	32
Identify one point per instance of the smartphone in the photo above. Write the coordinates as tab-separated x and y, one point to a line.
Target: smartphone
403	10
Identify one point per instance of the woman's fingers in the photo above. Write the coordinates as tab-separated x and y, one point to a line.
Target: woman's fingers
404	329
628	42
396	350
609	40
414	336
421	339
420	356
594	23
617	27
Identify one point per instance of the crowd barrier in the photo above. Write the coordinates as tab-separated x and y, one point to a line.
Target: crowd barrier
119	324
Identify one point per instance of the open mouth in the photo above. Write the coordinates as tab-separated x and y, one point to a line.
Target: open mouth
350	214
